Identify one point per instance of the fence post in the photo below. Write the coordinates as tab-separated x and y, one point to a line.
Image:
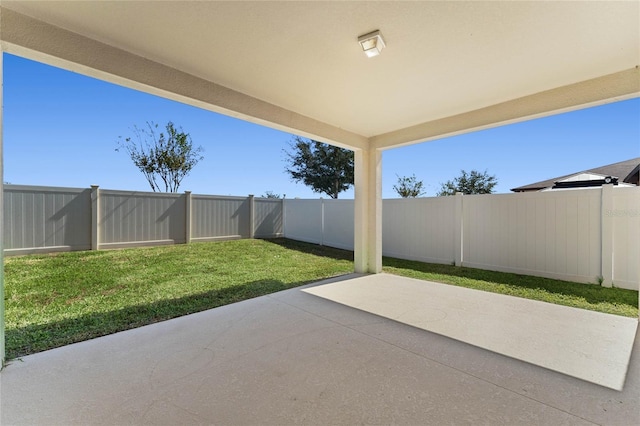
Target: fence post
252	212
458	244
187	217
284	217
95	216
321	221
606	235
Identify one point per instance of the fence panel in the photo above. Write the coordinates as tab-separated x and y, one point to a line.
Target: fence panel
135	218
625	214
303	220
554	233
419	229
267	219
339	223
46	219
216	217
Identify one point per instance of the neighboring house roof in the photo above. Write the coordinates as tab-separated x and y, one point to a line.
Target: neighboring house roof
626	171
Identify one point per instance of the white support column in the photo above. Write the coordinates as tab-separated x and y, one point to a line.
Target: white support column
2	348
368	211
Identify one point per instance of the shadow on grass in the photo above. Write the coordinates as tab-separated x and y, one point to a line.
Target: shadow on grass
40	337
314	249
592	293
455	275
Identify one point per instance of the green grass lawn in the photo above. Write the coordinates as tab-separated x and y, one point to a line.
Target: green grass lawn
57	299
586	296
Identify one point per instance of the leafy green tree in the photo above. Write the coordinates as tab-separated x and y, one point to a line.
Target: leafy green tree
162	158
409	187
473	182
324	168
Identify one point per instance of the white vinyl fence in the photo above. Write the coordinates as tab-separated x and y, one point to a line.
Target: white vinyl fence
421	229
325	222
47	219
584	235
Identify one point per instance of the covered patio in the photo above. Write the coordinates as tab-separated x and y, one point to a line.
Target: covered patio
310	355
305	356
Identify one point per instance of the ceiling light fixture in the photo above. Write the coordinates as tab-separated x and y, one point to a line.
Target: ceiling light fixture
372	43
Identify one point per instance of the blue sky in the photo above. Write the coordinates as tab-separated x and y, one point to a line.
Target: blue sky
61	129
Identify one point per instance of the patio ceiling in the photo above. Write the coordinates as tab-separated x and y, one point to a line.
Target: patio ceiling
449	67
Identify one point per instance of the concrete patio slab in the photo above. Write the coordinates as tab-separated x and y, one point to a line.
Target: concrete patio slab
588	345
295	358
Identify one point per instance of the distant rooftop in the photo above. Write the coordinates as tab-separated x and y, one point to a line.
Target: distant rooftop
626	171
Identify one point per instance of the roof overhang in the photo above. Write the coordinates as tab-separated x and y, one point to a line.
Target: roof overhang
448	68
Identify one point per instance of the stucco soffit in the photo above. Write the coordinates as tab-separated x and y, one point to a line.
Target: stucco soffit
609	88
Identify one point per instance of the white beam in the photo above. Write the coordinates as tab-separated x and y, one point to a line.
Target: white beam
609	88
368	211
28	37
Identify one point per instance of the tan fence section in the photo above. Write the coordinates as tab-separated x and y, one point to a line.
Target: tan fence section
140	218
46	219
215	218
268	218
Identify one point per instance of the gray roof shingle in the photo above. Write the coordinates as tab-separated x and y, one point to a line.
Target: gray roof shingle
626	171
